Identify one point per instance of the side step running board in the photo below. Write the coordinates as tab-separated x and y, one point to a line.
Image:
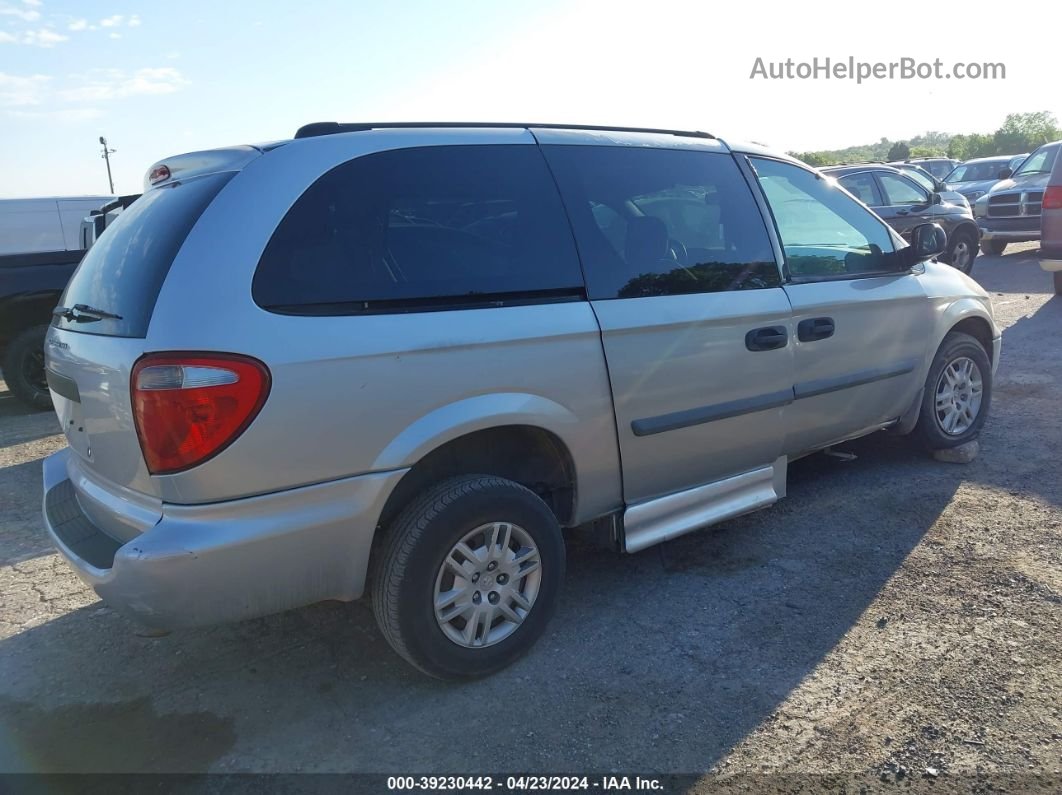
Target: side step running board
664	518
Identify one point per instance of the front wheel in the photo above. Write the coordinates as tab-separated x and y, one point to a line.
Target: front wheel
957	395
963	250
24	368
468	576
993	247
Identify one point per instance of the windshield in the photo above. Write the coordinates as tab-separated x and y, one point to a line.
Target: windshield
976	172
919	176
1040	162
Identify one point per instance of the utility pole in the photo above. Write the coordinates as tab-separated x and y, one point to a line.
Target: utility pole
107	156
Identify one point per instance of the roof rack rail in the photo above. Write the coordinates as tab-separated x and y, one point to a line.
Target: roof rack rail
333	127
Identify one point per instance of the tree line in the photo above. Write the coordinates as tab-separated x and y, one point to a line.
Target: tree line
1020	132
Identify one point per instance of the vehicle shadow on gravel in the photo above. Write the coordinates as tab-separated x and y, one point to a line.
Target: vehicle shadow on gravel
659	661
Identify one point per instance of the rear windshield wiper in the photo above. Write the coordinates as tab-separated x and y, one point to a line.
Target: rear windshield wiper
83	313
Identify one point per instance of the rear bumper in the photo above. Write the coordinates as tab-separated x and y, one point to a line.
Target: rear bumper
1051	256
207	564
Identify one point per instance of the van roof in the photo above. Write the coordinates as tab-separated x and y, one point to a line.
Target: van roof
332	127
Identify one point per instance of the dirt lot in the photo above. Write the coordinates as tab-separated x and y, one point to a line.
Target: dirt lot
893	617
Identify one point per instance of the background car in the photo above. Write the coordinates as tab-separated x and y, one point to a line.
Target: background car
904	204
1010	211
939	167
975	177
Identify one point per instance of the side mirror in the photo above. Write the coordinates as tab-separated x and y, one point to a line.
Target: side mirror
927	241
1005	173
936	198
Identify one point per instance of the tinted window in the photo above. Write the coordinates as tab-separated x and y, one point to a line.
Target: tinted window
976	172
123	271
415	228
824	232
938	168
862	187
899	190
1039	162
919	176
662	222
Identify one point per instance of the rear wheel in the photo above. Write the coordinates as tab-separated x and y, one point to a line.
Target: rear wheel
993	247
24	368
963	250
957	395
468	576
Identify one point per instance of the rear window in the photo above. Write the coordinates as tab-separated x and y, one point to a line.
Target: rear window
124	270
416	229
977	172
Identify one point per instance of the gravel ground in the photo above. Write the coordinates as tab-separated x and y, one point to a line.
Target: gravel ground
893	621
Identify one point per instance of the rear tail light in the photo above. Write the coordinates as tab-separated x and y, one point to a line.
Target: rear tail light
188	407
1053	198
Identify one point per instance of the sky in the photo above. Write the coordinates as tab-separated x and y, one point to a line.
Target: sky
162	78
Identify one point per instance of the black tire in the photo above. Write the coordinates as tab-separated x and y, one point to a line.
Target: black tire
956	345
1058	282
993	247
407	564
963	247
24	368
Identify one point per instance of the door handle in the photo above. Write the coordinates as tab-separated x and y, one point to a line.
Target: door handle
815	328
768	338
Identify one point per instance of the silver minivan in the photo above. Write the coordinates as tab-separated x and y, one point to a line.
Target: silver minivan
403	359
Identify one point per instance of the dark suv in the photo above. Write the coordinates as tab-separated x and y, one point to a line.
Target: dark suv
904	204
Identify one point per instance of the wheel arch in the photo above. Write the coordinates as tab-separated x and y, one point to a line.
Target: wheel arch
516	436
977	327
967	226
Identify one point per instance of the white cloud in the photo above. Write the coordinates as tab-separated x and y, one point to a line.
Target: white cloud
134	21
26	15
78	24
6	38
36	3
63	114
115	35
45	37
108	84
113	21
17	91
